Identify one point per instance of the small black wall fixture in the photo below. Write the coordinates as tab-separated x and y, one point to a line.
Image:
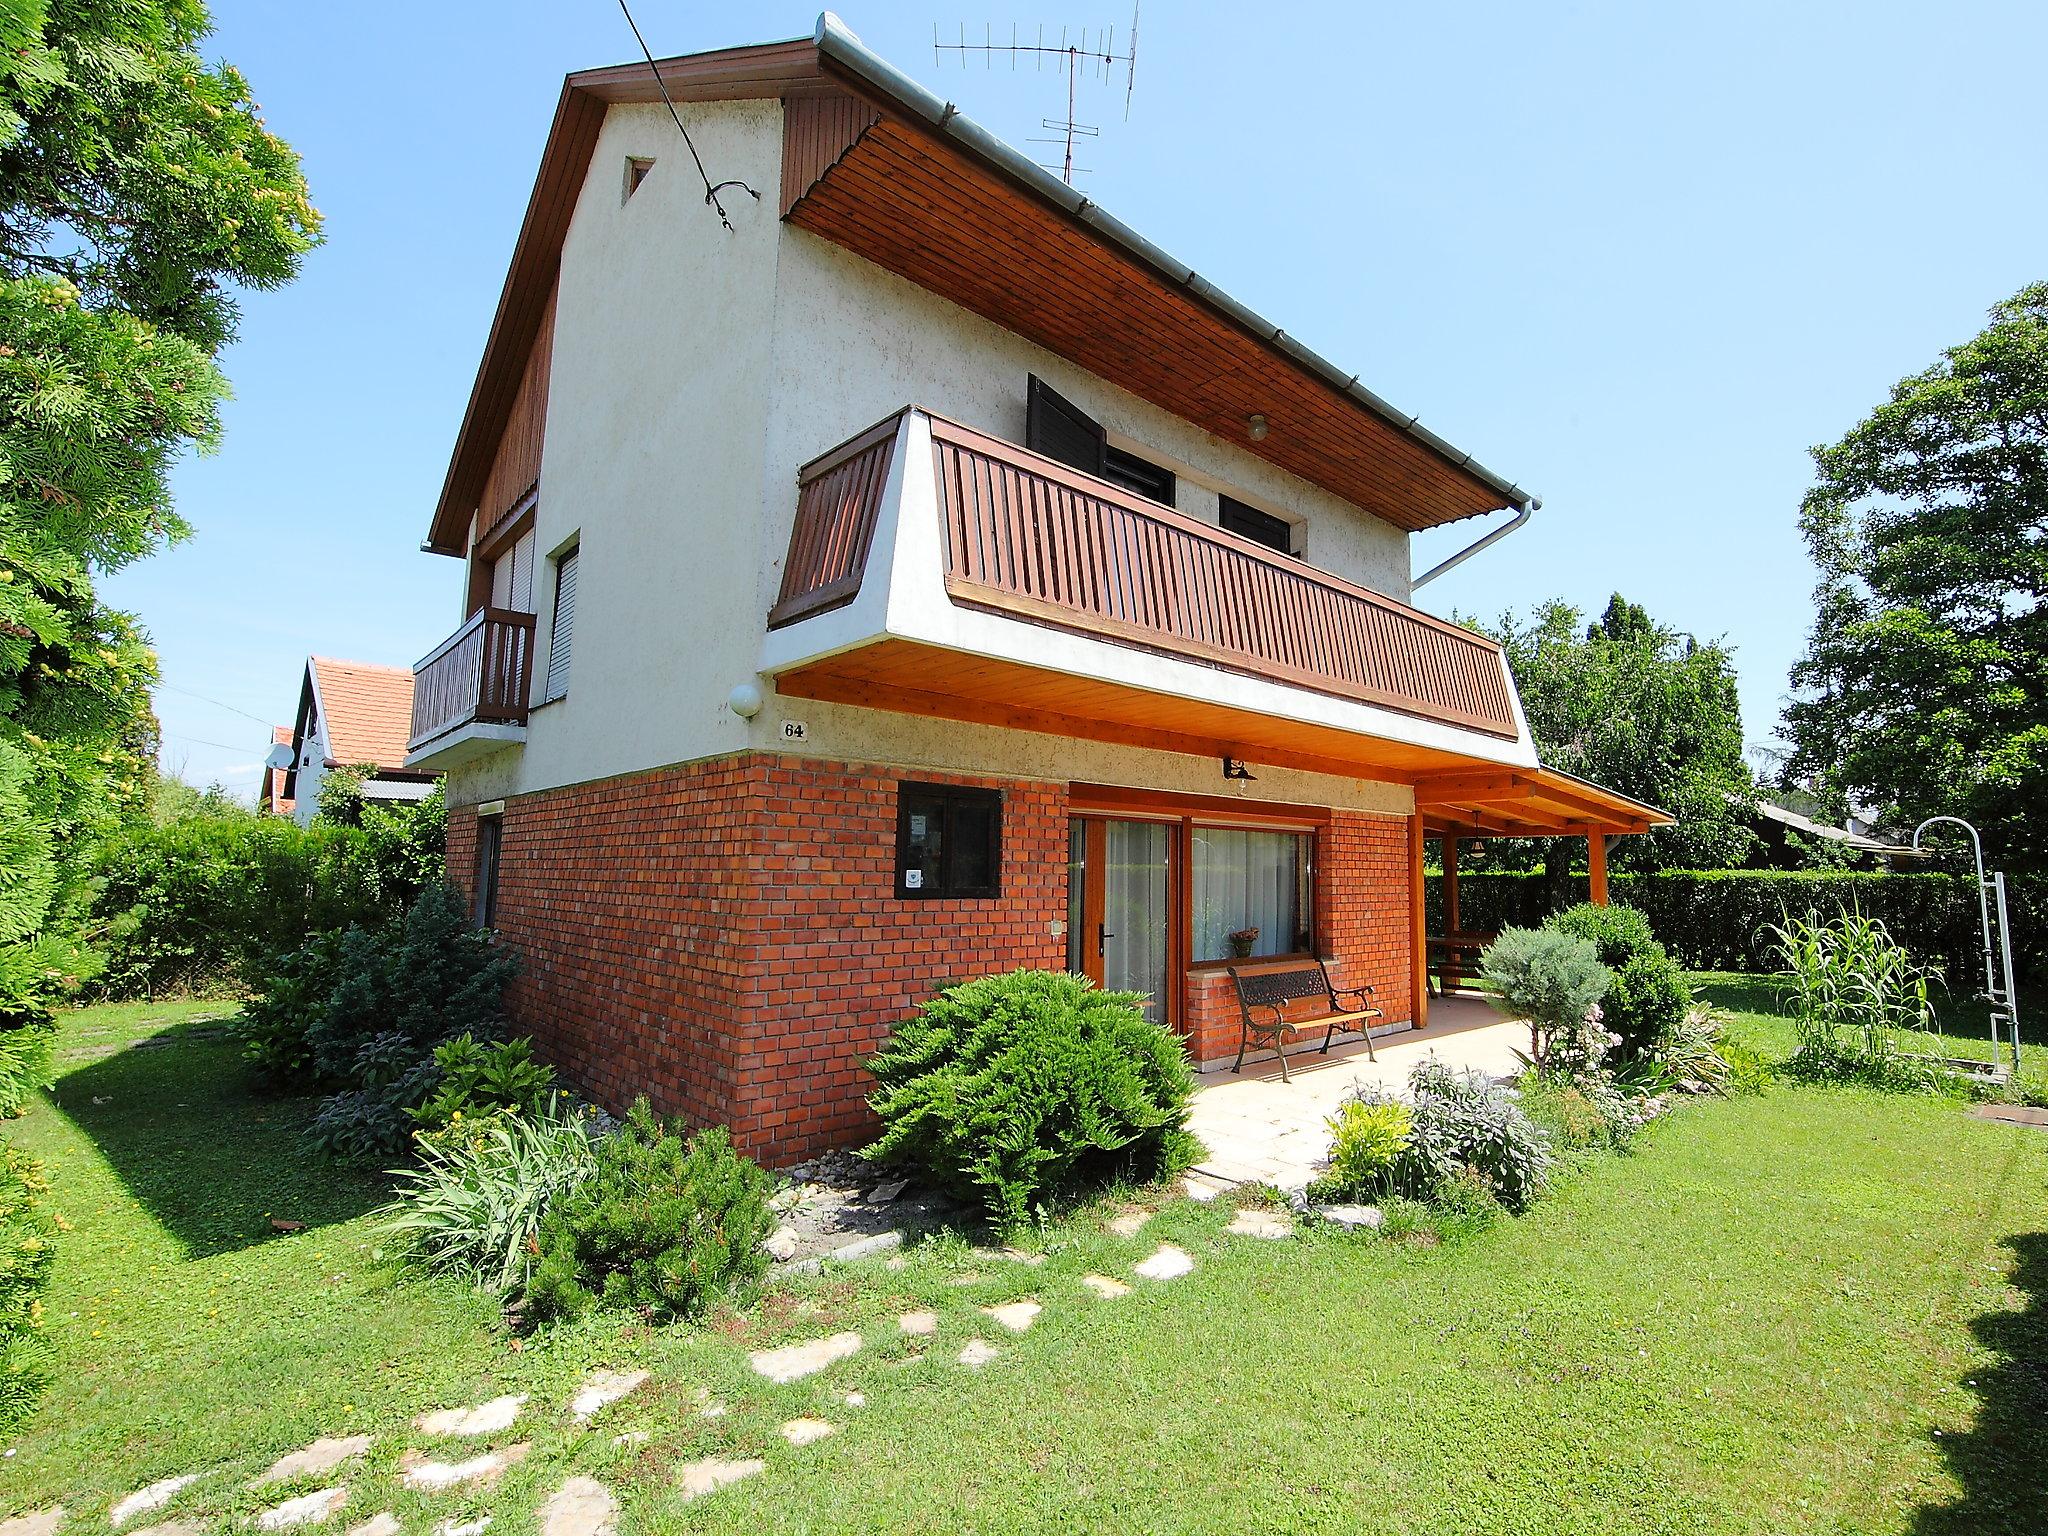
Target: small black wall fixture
1234	768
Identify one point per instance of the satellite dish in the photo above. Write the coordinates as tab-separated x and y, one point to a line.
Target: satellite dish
280	757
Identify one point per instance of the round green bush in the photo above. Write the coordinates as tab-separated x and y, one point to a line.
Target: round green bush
1019	1089
1649	998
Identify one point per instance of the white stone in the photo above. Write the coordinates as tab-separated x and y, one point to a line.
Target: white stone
484	1419
781	1247
385	1524
306	1509
1169	1263
712	1473
1263	1224
1129	1223
712	1410
40	1522
977	1353
600	1389
433	1475
856	1399
1352	1215
792	1362
805	1431
1105	1287
323	1455
631	1437
454	1527
1202	1188
171	1528
922	1324
1015	1315
155	1496
580	1507
887	1192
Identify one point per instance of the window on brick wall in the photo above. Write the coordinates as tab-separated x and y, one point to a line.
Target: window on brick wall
949	841
1243	878
489	836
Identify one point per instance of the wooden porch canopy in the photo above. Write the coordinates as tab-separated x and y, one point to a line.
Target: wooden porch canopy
1525	802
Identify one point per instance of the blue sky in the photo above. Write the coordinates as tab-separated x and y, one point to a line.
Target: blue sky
1637	258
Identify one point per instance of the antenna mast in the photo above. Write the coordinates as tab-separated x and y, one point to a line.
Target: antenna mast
1077	55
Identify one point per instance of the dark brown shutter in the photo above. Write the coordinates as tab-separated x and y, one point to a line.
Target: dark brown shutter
1060	429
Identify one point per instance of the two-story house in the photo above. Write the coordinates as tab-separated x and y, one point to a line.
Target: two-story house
925	576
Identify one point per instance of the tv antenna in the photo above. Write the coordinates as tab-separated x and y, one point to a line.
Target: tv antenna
1094	56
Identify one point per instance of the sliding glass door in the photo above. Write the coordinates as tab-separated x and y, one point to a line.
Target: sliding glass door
1120	895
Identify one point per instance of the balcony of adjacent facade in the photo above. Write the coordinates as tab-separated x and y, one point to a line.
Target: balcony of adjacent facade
934	570
469	694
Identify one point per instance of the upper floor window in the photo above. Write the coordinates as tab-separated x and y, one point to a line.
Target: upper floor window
637	167
1250	523
1060	429
562	633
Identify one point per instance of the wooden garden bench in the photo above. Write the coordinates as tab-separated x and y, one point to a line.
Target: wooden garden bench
1263	996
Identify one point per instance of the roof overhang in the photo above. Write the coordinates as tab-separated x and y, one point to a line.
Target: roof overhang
1528	802
923	191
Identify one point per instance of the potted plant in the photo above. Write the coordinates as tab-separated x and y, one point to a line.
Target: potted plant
1241	943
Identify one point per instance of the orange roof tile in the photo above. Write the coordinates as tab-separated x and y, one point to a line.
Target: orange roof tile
367	710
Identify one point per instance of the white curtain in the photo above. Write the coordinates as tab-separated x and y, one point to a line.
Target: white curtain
1246	879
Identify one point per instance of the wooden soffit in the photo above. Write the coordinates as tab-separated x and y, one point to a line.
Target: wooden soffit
1527	802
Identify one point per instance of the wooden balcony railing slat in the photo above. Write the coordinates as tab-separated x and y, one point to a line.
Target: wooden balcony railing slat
482	672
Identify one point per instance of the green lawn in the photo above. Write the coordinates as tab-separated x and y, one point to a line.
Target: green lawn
1813	1311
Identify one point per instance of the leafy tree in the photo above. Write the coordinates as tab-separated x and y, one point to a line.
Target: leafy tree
1641	709
139	190
1924	687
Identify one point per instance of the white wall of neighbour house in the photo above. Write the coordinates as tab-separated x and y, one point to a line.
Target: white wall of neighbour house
694	373
311	770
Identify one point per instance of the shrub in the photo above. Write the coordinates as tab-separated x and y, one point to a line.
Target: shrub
1018	1089
480	1077
400	990
275	1026
24	1063
1462	1123
1551	979
28	1229
474	1207
1649	997
1366	1140
662	1226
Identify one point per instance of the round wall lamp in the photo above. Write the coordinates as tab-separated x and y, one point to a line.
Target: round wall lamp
1255	427
744	701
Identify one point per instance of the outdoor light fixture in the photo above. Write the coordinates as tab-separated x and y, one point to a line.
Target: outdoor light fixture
1234	768
1255	427
744	701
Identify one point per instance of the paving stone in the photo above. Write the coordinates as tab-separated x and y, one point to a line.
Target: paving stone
170	1528
792	1362
805	1431
1129	1223
1204	1187
781	1247
580	1507
966	1277
323	1455
856	1399
1256	1223
1015	1315
712	1473
484	1419
1019	1256
454	1527
477	1470
977	1353
600	1389
306	1509
41	1522
1105	1287
385	1524
712	1410
1351	1215
155	1496
922	1324
1169	1263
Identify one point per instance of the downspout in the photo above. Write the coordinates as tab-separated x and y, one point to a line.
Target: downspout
1521	516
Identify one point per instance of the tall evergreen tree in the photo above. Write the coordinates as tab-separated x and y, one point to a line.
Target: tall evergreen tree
139	190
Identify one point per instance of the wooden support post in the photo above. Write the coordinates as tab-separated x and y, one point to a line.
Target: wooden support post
1596	869
1418	930
1450	841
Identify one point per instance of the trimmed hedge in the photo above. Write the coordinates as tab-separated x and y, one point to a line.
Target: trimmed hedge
1718	919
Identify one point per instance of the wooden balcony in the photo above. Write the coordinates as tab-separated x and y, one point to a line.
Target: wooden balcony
480	675
1014	535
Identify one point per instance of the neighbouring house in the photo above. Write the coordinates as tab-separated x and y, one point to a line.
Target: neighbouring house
352	714
925	577
1786	835
271	799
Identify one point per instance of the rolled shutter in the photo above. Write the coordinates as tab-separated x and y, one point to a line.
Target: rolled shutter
1060	429
563	632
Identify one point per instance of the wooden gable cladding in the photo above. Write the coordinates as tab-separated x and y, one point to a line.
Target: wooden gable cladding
516	466
817	130
910	203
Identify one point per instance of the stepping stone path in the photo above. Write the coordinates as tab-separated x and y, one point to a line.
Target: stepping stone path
1130	1223
1019	1256
977	1353
856	1399
173	1528
603	1388
712	1410
323	1455
487	1468
1105	1287
484	1419
793	1362
580	1507
806	1431
306	1509
712	1473
1351	1215
1016	1315
454	1527
1256	1223
155	1496
1203	1187
385	1524
41	1522
1169	1263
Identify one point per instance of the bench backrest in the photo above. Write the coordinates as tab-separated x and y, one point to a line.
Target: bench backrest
1277	988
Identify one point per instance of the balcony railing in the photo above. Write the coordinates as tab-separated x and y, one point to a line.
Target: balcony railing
480	673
